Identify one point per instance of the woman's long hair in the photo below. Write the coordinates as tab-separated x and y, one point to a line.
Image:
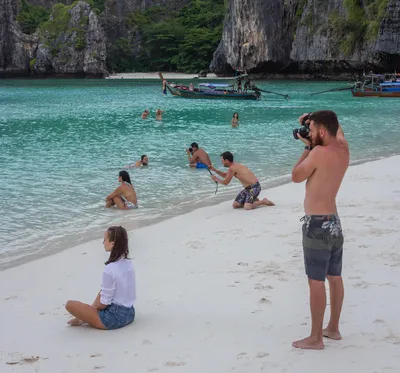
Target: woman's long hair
120	250
234	115
125	177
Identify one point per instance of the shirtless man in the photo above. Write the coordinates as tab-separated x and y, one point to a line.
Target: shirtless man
124	197
248	197
198	158
323	164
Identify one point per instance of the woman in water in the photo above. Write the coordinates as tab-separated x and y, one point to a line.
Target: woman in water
235	120
113	306
159	113
124	197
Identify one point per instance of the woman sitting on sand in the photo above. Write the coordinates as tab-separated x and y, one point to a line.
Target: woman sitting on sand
235	120
113	306
124	197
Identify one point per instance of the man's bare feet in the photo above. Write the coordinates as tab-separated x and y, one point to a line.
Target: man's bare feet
267	202
309	343
331	335
75	322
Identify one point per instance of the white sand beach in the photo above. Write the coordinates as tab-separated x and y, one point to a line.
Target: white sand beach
220	291
166	75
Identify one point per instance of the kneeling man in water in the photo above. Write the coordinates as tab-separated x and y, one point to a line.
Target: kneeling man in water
124	197
248	197
199	158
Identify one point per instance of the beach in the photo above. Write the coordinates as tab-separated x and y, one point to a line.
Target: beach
220	290
166	75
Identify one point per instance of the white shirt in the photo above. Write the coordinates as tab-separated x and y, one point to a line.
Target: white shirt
118	284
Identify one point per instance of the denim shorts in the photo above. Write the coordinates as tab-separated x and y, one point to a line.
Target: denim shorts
115	316
322	246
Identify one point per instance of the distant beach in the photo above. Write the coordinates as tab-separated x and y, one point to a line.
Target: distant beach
167	76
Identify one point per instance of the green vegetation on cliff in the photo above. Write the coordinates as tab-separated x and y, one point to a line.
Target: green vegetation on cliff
182	40
362	22
57	33
31	16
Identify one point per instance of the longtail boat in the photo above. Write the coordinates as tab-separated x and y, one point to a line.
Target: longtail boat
221	91
373	85
377	85
211	91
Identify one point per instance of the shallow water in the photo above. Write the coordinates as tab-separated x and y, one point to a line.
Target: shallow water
63	143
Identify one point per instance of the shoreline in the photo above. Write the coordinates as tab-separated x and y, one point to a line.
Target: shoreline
180	209
220	290
187	76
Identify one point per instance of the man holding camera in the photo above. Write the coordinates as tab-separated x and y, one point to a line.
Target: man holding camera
198	158
248	197
323	164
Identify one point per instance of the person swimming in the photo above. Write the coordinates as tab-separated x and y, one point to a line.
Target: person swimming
145	114
159	113
124	197
235	120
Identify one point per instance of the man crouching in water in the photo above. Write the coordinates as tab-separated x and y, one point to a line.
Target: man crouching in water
248	197
198	157
323	164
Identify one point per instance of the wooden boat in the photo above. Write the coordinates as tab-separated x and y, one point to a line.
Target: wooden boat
211	91
372	85
378	85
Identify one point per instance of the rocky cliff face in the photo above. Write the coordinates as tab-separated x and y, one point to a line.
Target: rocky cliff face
309	36
16	48
74	48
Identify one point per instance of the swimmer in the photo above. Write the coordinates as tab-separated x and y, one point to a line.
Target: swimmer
143	161
145	114
198	158
235	120
124	197
159	114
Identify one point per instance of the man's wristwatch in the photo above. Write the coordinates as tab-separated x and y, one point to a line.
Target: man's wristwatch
308	147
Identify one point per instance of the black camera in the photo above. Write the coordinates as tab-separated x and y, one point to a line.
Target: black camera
303	131
190	150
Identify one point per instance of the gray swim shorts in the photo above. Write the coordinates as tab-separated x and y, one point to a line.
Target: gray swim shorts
322	246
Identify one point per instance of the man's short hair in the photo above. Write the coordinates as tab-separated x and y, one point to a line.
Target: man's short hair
326	118
194	145
227	156
142	157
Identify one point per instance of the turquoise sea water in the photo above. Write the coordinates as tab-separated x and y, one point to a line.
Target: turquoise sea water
63	143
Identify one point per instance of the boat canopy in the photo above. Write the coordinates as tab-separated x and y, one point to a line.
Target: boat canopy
216	85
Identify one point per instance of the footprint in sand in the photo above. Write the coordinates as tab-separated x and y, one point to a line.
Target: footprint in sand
260	355
12	297
263	287
264	301
25	360
242	355
95	355
242	264
147	342
98	367
174	363
379	321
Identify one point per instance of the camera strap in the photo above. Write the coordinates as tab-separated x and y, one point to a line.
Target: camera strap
216	189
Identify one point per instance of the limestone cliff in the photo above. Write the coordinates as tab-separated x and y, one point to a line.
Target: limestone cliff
309	36
16	48
72	43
